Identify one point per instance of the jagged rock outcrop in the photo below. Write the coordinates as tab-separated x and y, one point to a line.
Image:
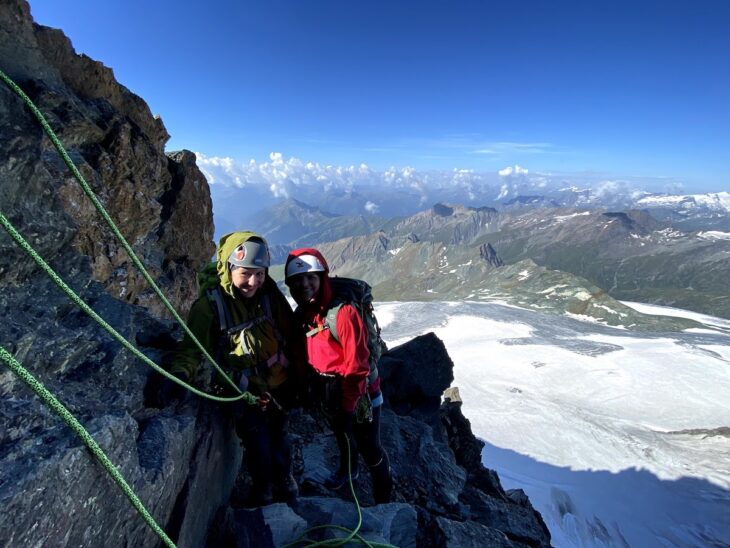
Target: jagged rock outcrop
489	254
182	461
443	495
448	224
161	203
51	492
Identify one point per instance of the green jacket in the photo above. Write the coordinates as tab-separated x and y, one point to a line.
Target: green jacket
259	345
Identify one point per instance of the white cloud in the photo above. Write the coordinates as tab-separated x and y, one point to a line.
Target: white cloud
360	186
605	189
509	170
371	207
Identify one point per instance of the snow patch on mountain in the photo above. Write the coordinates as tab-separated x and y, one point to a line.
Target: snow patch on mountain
716	201
563	218
714	235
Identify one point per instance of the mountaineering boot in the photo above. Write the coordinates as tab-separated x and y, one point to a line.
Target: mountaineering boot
286	490
382	480
341	477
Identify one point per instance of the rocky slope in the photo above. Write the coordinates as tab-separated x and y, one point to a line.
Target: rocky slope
297	224
183	462
630	255
443	495
408	269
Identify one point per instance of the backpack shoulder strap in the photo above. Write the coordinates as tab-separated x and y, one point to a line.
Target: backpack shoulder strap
331	321
215	297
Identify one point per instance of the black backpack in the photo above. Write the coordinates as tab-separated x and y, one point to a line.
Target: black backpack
358	294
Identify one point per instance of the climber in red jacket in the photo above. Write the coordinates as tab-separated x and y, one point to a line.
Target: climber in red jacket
351	403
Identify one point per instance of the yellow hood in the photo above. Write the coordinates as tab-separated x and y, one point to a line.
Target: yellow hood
227	244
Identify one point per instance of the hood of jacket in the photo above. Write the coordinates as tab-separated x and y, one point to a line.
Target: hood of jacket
325	290
226	246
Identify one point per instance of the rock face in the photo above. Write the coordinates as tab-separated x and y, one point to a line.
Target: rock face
183	461
161	203
488	253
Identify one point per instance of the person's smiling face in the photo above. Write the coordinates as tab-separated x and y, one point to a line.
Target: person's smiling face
304	287
248	280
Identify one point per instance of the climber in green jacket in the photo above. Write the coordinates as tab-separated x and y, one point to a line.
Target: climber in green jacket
246	324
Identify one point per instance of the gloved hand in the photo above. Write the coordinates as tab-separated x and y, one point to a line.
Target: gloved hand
264	400
170	391
267	401
364	409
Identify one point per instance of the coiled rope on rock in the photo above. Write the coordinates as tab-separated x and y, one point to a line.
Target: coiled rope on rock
303	541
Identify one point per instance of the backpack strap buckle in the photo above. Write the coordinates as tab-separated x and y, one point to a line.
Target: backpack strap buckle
317	329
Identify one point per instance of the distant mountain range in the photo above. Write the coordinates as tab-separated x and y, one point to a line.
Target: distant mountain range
295	223
564	259
241	190
551	255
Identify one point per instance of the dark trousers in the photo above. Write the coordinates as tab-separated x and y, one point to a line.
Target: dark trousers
263	433
366	442
364	439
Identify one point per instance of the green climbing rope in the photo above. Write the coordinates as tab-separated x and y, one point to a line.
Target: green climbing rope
25	246
100	208
51	401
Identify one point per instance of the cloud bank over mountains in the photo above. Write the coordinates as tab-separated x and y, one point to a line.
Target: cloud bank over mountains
288	178
360	189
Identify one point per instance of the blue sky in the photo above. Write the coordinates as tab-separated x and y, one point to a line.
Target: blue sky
622	88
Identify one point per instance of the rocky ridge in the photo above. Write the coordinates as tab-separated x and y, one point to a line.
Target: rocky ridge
182	461
444	253
443	495
161	202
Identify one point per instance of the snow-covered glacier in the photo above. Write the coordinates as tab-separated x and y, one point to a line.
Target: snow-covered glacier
619	438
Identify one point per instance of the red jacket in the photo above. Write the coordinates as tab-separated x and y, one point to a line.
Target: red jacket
349	357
